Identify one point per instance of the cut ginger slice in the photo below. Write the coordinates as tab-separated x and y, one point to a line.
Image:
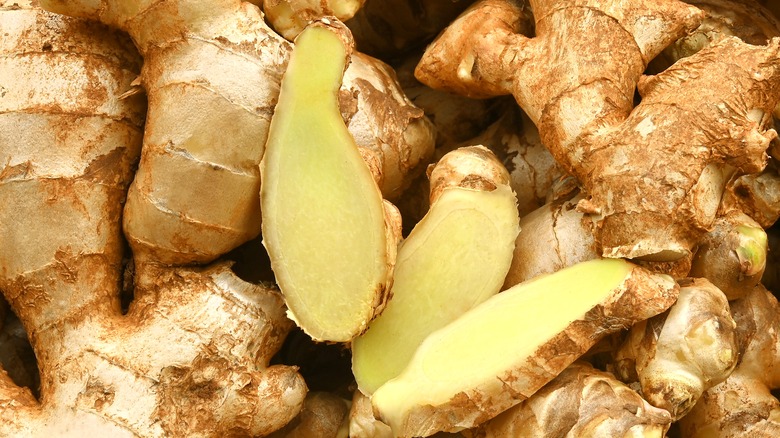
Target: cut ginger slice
502	351
323	215
454	259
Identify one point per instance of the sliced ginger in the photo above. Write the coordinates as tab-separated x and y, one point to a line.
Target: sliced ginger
454	259
501	352
323	215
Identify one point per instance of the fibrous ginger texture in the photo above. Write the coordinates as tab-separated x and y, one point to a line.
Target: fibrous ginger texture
743	406
581	402
190	357
654	190
515	342
211	71
455	258
678	355
331	242
324	415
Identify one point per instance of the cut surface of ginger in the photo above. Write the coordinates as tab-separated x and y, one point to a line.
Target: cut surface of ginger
503	350
454	259
323	215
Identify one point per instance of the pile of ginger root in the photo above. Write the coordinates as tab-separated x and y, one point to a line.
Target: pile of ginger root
389	218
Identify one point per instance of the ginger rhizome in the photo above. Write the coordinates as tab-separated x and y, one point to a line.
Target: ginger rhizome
211	71
455	258
678	355
732	255
190	358
331	237
743	406
553	320
219	56
581	402
654	191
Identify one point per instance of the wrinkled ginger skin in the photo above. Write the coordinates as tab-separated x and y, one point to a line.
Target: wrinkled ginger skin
745	19
103	373
324	415
395	137
743	406
581	402
194	196
678	355
552	237
581	99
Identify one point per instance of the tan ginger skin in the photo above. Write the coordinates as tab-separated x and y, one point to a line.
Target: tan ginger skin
189	47
190	357
581	99
678	355
743	406
581	402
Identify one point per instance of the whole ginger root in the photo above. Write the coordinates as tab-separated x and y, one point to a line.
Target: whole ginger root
190	358
743	406
581	99
92	175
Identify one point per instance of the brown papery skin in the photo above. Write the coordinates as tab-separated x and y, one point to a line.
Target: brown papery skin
582	401
191	356
678	355
650	186
742	406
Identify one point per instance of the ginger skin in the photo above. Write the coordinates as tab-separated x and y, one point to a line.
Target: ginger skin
104	373
678	355
580	98
743	406
194	195
581	402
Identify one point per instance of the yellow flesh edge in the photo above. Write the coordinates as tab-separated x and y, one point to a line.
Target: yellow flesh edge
323	221
495	336
454	259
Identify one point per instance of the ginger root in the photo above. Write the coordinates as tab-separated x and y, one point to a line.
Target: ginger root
581	402
323	214
743	406
678	355
455	258
190	358
581	99
556	319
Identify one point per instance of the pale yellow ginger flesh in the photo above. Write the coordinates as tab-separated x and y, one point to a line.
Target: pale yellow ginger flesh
454	259
515	342
323	215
